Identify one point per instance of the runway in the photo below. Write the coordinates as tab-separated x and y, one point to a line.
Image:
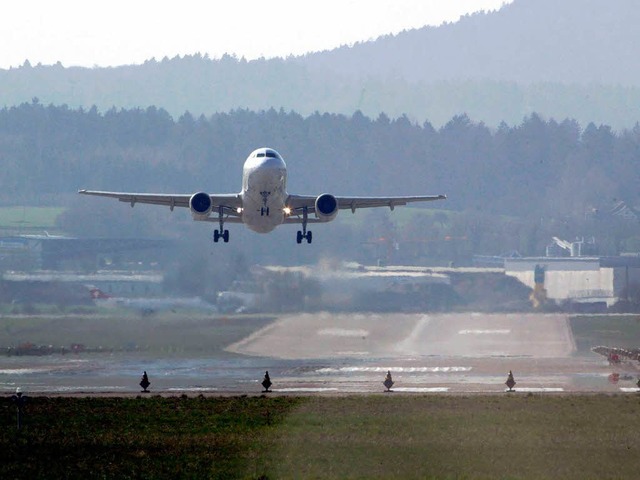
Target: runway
462	352
333	354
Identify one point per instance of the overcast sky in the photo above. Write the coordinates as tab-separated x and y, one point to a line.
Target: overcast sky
120	32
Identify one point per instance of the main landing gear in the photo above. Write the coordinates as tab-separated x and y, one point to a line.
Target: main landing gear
304	234
224	236
222	233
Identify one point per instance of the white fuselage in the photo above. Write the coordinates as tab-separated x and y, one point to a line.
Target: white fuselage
264	196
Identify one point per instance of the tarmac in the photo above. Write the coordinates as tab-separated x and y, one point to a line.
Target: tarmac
459	352
337	354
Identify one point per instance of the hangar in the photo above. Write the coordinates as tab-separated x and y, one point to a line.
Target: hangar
579	279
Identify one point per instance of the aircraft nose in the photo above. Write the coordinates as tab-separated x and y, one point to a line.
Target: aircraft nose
271	162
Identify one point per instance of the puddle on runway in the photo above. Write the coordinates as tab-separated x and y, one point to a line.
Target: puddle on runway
537	389
485	332
421	389
237	374
394	369
305	390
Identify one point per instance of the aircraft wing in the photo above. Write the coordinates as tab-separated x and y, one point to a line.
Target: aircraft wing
230	201
299	202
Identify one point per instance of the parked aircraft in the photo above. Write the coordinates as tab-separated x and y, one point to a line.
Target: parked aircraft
147	306
263	203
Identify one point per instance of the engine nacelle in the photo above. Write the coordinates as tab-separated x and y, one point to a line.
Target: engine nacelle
200	205
326	207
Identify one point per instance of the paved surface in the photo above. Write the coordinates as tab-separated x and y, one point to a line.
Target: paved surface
463	352
349	353
395	336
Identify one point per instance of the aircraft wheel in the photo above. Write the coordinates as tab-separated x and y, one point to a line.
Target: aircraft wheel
225	236
216	236
309	236
299	237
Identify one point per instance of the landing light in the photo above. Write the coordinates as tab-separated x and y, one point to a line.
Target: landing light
286	210
239	209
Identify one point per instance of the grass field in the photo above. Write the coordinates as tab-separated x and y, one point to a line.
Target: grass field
192	332
383	436
29	218
610	330
178	333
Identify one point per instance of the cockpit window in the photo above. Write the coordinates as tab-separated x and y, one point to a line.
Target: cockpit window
266	153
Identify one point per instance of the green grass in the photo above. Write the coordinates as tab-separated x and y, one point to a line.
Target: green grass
164	333
468	437
608	330
148	437
401	216
29	218
381	436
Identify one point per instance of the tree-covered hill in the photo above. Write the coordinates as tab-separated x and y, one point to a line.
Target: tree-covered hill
571	59
527	41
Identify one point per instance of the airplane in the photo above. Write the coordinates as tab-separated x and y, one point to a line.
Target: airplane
263	203
147	306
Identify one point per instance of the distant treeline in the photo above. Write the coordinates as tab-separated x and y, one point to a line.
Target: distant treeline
205	86
570	59
536	170
536	166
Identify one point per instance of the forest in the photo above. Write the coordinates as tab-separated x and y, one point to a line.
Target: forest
203	85
508	188
495	67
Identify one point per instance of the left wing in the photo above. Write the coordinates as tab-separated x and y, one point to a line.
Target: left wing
298	202
230	201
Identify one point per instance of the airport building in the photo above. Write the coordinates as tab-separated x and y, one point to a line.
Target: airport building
58	269
53	252
597	280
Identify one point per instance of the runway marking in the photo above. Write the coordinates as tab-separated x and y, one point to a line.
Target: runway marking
343	332
395	369
25	371
302	389
537	389
192	389
503	331
421	389
629	389
82	388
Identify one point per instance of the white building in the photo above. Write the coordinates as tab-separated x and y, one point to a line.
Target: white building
580	279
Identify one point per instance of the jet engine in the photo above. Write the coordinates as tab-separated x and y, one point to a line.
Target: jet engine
200	205
326	207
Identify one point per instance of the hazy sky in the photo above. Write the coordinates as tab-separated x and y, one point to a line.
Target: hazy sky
118	32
